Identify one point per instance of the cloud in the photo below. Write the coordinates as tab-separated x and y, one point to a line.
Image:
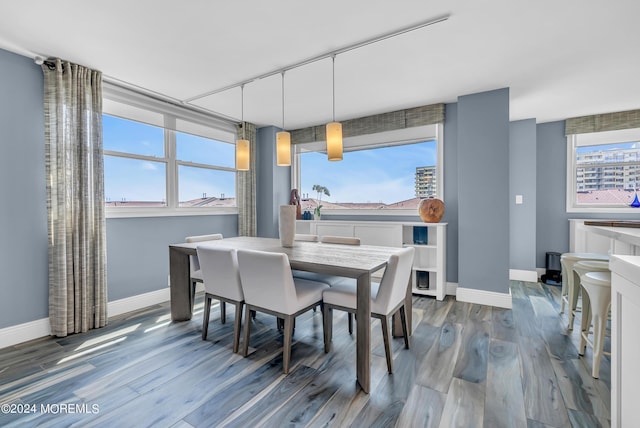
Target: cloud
149	166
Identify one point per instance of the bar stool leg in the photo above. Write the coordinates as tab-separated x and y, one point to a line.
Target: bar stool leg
599	319
563	291
585	324
573	285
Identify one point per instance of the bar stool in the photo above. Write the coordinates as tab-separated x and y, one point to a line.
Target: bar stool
596	302
570	280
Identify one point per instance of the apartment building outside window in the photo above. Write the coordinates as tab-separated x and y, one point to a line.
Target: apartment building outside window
603	171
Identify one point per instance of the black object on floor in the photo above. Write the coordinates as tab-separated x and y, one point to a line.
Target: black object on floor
553	275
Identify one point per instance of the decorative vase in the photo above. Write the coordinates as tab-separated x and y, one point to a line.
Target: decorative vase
431	210
287	225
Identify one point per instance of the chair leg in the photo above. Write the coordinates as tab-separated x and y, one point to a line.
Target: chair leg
286	348
403	321
350	317
205	317
236	327
327	321
193	292
247	332
387	345
223	312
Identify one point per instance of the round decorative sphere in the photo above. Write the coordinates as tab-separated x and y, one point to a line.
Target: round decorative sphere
431	210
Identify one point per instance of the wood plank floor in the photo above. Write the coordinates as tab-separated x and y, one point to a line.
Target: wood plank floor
469	366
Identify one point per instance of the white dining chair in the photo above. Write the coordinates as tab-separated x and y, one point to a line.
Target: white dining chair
221	282
305	237
270	287
195	274
346	240
387	298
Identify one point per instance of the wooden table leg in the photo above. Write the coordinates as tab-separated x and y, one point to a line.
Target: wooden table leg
408	303
363	330
181	298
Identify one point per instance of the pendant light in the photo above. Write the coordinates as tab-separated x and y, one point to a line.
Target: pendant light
334	129
242	145
283	139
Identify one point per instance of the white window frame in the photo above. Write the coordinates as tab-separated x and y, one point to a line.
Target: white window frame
382	139
116	98
594	139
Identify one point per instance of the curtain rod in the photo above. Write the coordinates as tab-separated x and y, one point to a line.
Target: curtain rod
324	56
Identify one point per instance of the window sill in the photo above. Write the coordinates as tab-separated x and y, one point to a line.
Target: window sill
604	210
366	212
167	212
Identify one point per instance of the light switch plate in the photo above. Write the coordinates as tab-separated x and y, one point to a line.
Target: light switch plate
519	199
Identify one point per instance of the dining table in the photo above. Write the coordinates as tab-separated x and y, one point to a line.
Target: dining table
352	261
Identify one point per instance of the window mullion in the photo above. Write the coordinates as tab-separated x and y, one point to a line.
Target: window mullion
172	167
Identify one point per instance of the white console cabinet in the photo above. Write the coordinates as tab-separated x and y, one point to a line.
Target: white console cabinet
429	264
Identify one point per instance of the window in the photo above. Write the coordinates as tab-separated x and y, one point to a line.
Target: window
383	173
163	160
603	171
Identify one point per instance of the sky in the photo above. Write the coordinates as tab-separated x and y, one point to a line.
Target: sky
145	180
376	175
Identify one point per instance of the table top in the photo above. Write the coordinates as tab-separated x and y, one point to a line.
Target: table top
344	260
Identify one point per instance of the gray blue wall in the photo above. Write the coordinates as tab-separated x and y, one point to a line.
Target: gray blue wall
273	183
483	191
450	198
552	220
522	181
138	254
23	209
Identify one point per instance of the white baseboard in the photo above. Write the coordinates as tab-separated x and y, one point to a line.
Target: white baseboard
128	304
450	288
13	335
482	297
523	275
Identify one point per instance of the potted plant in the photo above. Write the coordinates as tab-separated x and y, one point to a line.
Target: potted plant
320	189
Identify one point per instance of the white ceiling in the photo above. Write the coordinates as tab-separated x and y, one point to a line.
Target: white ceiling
559	58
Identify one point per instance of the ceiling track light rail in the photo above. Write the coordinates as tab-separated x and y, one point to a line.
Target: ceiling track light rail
325	56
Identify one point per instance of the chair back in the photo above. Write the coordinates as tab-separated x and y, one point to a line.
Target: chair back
200	238
304	237
220	272
345	240
194	263
393	287
267	281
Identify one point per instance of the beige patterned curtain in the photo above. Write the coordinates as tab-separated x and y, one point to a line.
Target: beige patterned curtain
603	122
247	223
401	119
75	197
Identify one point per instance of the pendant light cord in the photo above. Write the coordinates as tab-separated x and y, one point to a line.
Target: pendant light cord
242	109
333	83
283	100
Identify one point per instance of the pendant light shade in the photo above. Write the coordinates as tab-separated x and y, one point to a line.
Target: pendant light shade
334	141
334	129
283	139
283	148
242	154
242	145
